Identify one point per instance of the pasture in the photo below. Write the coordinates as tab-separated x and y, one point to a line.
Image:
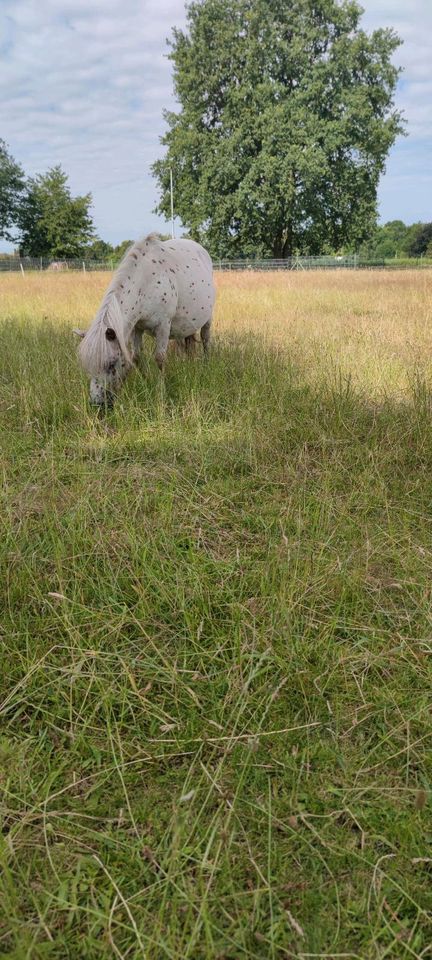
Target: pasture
216	640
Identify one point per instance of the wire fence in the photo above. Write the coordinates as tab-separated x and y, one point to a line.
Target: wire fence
352	262
27	264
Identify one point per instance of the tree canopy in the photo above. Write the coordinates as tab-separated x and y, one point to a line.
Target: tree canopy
285	122
52	223
99	250
11	187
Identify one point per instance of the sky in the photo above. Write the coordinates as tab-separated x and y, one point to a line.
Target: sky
84	84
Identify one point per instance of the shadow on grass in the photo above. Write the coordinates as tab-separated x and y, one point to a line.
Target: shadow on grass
247	407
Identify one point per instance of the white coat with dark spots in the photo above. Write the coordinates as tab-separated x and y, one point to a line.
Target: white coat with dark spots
162	287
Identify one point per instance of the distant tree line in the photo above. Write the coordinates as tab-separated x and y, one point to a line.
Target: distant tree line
42	217
284	123
45	220
397	240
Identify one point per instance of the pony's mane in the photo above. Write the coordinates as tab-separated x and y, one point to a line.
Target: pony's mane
95	351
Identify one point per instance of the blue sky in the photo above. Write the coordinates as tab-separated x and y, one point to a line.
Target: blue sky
84	83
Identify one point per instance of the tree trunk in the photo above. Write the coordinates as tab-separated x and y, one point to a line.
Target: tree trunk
277	248
287	248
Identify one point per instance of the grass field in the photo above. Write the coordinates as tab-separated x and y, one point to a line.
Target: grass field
216	631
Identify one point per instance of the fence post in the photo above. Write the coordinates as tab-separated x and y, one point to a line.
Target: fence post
84	268
22	269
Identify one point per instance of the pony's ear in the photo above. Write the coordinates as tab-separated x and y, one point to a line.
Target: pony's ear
110	333
79	333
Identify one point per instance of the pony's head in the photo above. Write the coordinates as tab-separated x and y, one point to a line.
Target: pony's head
104	354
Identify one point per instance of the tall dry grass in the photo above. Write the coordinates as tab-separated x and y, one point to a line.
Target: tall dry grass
373	326
377	327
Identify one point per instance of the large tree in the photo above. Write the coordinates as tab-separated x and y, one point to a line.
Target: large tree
52	222
11	187
285	122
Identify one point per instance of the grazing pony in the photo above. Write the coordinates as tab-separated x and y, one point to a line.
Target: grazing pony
162	287
58	265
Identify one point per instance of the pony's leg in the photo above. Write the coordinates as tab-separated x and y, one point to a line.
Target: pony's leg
189	345
205	337
136	343
162	333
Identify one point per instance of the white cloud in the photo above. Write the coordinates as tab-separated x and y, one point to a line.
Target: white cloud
412	21
85	82
87	85
406	189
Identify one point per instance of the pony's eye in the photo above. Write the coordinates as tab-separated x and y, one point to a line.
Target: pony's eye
110	333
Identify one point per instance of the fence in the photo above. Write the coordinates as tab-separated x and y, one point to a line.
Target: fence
24	264
354	262
290	263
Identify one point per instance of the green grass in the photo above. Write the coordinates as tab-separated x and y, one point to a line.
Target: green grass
216	661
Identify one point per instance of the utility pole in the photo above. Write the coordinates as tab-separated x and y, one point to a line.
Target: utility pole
172	203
